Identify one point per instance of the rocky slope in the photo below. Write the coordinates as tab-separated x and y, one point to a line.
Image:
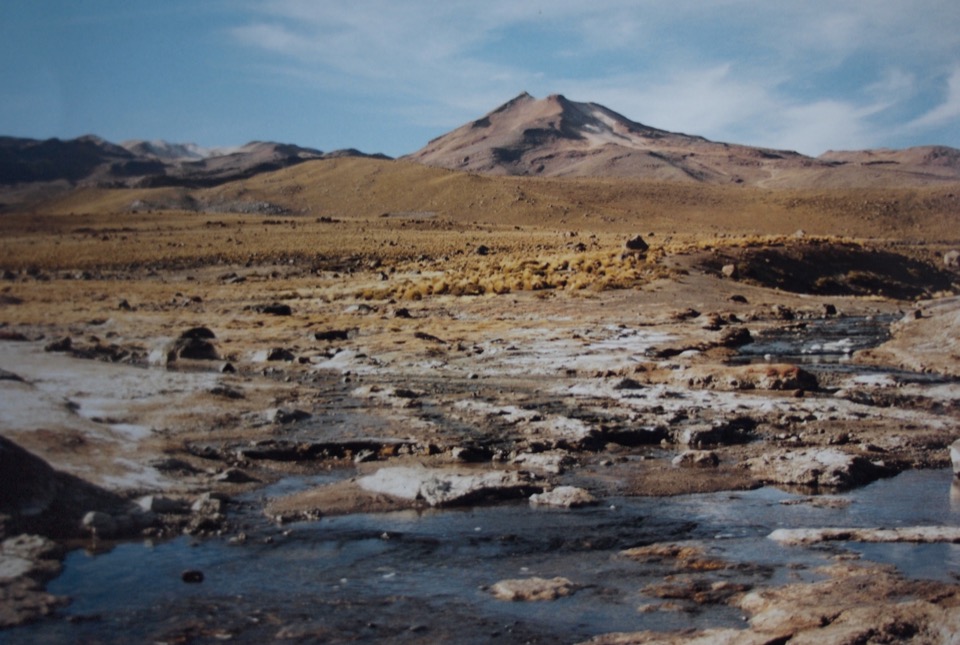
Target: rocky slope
92	161
557	137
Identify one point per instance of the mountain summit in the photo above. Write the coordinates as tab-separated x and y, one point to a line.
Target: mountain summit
557	137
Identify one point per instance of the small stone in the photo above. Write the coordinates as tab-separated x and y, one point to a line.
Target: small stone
198	333
235	476
533	589
163	505
955	457
208	504
735	337
628	384
696	459
729	270
636	244
280	354
274	309
192	576
564	497
99	524
62	345
283	416
335	334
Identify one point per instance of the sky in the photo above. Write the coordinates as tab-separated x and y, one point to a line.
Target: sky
389	75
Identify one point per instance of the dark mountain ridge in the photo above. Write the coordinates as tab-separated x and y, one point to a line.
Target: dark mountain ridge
91	160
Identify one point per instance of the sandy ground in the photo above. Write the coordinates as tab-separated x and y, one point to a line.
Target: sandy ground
300	371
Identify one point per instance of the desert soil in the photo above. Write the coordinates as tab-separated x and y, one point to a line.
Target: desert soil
501	361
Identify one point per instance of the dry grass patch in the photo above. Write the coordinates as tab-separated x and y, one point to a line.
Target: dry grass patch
596	270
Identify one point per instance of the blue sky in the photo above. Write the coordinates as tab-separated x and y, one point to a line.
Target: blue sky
388	75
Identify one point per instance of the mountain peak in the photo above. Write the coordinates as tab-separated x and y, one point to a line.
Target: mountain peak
546	136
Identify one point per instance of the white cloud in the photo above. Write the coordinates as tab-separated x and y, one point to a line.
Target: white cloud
809	76
814	128
945	112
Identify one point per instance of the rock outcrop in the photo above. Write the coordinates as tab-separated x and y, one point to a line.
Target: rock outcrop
816	468
446	487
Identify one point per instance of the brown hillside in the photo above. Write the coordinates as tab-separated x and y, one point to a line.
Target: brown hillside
556	137
368	188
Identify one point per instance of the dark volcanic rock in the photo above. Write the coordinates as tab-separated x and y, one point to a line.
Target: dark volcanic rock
274	309
35	498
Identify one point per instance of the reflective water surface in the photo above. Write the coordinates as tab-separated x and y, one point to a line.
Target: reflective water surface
422	576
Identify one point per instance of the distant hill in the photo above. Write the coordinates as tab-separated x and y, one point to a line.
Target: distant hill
92	161
556	137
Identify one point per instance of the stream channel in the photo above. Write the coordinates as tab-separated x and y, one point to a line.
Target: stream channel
424	576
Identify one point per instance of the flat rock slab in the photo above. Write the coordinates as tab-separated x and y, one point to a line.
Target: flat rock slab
815	467
912	534
444	486
564	497
955	457
533	589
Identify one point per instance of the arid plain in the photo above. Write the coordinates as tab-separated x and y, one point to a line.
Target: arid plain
447	339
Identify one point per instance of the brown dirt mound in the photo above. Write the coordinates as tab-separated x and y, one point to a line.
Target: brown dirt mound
835	269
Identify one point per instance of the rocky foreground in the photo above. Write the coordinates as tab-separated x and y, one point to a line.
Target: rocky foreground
158	400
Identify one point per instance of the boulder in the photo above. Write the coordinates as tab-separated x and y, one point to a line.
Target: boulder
733	431
235	476
100	524
735	337
10	376
955	457
564	497
284	416
274	309
162	505
209	504
335	334
815	467
759	376
27	563
552	461
696	459
903	534
636	244
446	487
280	354
533	589
195	349
198	333
951	259
64	344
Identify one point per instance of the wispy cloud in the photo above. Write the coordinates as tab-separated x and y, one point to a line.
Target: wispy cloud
948	110
813	75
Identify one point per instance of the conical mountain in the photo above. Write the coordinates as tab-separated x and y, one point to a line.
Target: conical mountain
557	137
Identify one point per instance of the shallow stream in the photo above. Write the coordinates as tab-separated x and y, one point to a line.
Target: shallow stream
824	341
423	576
